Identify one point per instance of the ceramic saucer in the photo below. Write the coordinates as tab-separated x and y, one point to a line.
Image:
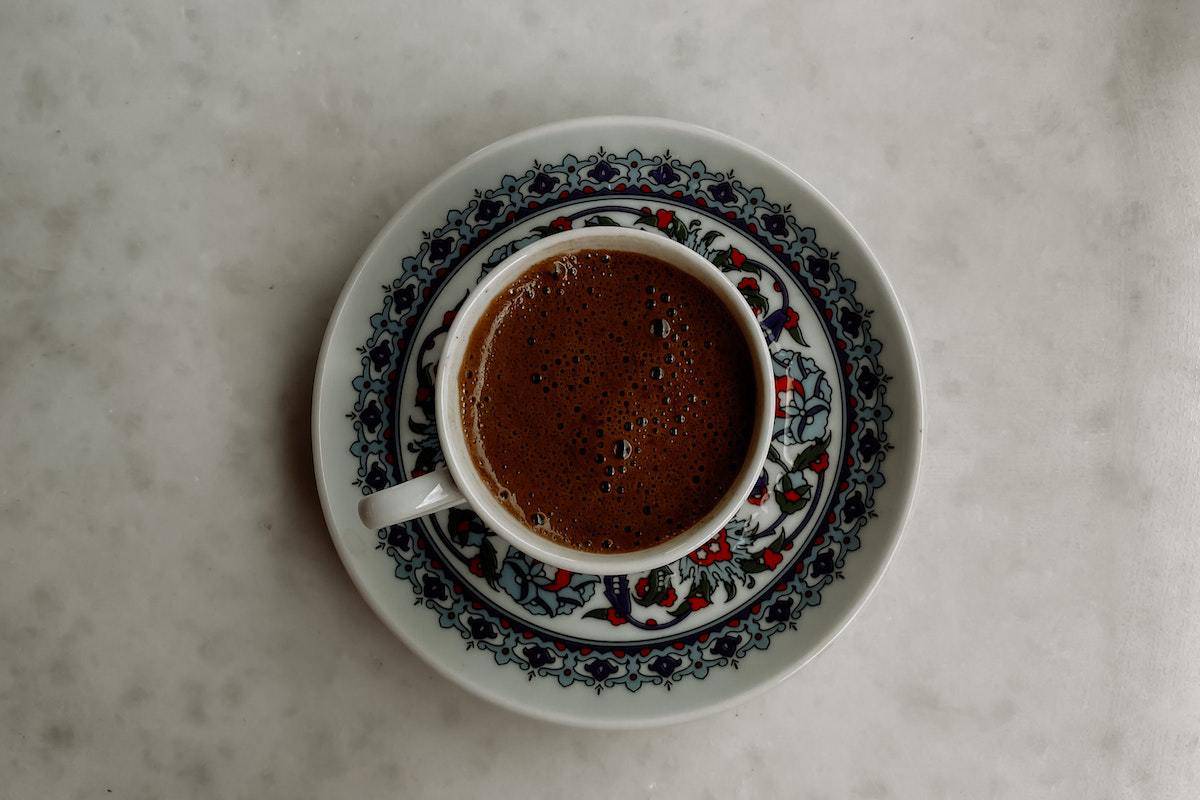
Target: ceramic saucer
753	604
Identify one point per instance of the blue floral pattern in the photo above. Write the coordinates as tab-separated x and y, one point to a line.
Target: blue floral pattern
819	483
541	589
803	396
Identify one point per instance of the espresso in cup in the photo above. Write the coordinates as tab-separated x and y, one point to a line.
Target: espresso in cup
608	400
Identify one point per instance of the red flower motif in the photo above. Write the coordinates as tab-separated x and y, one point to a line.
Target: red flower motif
663	218
560	224
423	393
792	496
476	567
448	317
697	603
783	387
793	319
771	558
642	586
615	618
714	550
748	283
821	464
560	582
736	257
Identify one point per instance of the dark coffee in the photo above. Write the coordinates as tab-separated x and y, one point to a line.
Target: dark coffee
609	400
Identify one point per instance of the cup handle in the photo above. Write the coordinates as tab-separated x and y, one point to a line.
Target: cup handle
413	498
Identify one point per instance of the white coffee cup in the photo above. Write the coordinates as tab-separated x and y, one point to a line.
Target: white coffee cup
460	484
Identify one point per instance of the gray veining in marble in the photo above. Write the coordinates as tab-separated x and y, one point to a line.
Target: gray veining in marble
185	186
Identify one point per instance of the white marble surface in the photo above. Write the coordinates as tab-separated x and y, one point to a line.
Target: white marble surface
184	187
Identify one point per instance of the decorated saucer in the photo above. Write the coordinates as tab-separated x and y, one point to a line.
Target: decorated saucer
750	606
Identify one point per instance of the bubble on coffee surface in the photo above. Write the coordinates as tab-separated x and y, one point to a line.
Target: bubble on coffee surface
617	446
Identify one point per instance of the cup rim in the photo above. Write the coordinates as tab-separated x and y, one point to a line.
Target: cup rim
453	437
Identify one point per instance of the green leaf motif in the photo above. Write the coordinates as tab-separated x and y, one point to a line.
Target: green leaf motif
597	613
758	562
709	238
703	588
797	336
752	565
679	231
730	590
810	453
775	458
755	300
489	562
792	493
658	586
599	221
